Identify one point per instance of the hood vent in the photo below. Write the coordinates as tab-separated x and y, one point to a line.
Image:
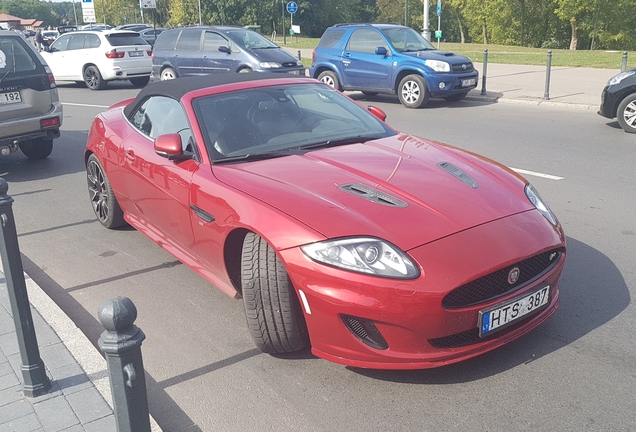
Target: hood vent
456	172
372	195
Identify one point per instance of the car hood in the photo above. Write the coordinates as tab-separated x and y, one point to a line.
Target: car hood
402	189
277	55
446	56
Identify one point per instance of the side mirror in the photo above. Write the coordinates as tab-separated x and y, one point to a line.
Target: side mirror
377	112
169	146
381	51
225	49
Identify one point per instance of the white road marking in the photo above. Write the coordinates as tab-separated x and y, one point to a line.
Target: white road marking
537	174
85	105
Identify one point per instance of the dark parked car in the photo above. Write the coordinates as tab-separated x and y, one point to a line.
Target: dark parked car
376	248
390	58
30	110
618	100
219	49
150	35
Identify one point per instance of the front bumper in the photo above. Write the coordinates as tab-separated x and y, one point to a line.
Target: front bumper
408	314
446	84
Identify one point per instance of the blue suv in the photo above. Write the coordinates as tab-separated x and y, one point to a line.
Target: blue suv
390	58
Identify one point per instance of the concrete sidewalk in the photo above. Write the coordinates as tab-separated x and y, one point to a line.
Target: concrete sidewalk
80	398
577	88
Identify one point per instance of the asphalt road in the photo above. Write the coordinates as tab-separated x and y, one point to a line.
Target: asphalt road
576	372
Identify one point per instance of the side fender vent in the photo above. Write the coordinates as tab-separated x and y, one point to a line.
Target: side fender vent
372	195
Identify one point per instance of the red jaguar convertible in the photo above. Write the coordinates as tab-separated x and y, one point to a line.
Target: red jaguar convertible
375	248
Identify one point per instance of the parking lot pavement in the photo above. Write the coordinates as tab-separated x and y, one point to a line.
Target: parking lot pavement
569	87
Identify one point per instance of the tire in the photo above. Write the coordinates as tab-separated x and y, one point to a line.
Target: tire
140	82
456	97
274	317
37	149
168	74
101	194
93	78
626	113
245	70
330	78
413	92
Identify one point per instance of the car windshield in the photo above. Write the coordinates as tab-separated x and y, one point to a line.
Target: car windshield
123	39
280	120
250	40
407	40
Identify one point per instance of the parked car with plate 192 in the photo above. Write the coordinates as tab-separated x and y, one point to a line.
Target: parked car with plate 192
393	59
99	56
376	248
30	109
618	100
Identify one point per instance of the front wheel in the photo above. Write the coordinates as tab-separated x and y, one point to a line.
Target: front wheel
140	82
245	70
329	78
102	197
93	78
626	113
274	317
413	92
37	149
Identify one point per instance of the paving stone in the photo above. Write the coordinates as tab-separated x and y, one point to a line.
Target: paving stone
8	381
55	414
5	368
105	424
6	322
10	395
71	378
27	423
56	356
9	343
89	405
15	411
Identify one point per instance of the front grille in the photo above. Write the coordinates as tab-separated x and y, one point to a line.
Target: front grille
289	64
457	68
496	284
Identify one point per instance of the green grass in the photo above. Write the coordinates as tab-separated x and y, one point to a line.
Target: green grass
509	54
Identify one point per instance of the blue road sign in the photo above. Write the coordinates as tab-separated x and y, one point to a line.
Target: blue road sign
292	7
439	7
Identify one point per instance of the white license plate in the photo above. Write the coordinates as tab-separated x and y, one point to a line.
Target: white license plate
136	53
468	82
10	97
500	316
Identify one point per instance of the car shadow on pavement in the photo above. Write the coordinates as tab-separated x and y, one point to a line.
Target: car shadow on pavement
433	103
593	292
67	157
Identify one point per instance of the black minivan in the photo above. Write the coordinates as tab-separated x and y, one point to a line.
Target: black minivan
218	49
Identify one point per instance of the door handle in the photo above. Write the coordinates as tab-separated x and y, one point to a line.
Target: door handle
130	155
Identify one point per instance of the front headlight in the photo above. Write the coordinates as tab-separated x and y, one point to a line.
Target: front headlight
438	66
364	255
620	77
270	65
536	200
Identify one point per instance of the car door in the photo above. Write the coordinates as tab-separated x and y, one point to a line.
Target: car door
217	55
78	54
56	57
159	187
187	55
362	67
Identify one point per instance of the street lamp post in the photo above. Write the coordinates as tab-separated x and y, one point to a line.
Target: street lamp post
426	31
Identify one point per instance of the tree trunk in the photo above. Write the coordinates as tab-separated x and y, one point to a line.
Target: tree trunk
485	33
523	18
461	28
575	37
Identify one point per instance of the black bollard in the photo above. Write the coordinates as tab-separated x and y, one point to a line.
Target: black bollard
546	94
299	57
36	382
624	64
121	343
483	78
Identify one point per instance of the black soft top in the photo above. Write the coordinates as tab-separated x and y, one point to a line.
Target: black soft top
176	88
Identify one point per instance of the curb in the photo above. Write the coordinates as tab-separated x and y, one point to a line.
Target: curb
535	102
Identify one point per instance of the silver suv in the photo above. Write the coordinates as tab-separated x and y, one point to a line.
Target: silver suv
30	110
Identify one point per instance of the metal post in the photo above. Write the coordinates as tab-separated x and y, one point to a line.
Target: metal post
299	57
624	65
426	31
546	94
121	343
282	10
483	77
36	382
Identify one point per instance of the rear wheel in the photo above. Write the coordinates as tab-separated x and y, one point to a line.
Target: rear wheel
626	114
413	92
102	197
93	78
140	82
274	317
168	74
330	78
37	149
456	97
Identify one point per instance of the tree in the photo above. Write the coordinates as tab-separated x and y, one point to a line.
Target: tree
574	11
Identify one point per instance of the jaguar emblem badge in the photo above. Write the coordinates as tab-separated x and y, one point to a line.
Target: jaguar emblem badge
513	275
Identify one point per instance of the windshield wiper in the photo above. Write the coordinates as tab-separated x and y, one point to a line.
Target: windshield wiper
251	157
344	141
